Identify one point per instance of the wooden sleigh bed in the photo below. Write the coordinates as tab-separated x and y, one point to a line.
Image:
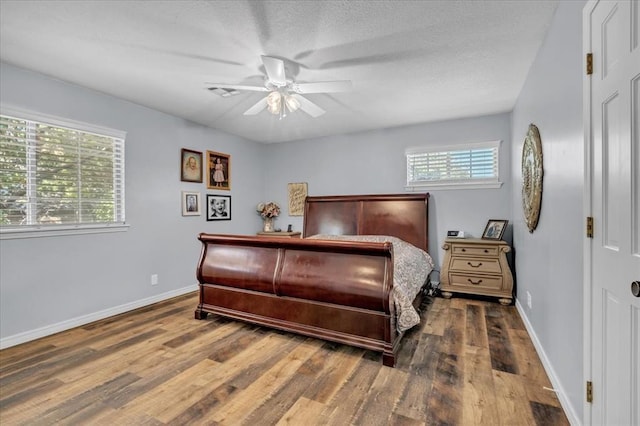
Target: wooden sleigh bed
329	289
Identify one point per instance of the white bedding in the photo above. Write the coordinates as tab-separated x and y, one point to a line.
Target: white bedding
411	267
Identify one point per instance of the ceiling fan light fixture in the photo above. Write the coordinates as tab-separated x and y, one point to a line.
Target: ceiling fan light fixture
292	103
274	102
273	109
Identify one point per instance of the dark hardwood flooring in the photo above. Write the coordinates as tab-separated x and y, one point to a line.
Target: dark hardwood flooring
469	362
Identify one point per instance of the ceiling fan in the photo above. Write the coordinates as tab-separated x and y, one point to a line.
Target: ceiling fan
284	93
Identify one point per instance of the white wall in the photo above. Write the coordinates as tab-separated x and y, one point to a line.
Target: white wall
374	163
52	280
549	261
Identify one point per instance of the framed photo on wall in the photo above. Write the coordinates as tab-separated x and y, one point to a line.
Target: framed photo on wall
190	166
219	170
218	207
495	229
190	203
297	197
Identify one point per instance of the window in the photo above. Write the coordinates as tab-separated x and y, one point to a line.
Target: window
59	174
460	166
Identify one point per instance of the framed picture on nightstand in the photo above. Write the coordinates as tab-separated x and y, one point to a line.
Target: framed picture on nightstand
494	229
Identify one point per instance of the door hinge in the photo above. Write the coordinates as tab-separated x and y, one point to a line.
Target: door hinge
589	392
589	227
589	63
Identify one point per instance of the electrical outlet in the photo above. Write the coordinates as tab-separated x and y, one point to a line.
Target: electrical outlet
154	279
529	299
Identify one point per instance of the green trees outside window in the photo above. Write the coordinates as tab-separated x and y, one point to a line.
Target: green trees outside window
52	174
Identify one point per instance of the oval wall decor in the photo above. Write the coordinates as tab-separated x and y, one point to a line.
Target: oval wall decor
532	177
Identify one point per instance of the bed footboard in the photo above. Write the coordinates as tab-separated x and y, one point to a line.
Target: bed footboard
333	290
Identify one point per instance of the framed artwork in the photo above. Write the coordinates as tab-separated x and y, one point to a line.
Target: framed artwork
494	229
532	173
218	207
190	166
190	203
219	170
297	196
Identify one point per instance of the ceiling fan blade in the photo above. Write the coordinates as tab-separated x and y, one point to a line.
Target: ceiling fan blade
213	86
275	70
259	106
323	87
309	107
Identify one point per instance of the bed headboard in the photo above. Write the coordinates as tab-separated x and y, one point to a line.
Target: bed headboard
399	215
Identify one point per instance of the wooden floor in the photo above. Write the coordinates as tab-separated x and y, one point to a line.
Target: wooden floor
469	363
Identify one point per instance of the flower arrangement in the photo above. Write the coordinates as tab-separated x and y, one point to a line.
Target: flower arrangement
268	210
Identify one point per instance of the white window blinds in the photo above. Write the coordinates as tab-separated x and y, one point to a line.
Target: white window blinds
470	165
59	173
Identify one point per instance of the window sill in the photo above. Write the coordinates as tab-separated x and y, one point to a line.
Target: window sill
56	231
467	185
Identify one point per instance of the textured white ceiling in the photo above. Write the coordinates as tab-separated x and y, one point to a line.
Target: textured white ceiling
409	61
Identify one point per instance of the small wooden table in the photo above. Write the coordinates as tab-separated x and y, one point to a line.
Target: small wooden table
280	234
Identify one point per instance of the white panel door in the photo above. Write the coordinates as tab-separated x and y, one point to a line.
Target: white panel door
615	197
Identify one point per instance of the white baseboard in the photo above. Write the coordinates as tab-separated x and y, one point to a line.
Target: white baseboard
569	410
48	330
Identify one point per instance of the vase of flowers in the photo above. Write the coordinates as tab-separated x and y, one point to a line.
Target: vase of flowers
268	211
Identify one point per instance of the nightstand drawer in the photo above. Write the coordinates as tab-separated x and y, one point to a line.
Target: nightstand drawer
468	281
469	250
491	266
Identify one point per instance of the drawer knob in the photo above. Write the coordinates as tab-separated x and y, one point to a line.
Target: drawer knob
474	282
474	266
463	250
486	251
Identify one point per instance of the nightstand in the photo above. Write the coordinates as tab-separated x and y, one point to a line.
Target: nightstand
280	234
476	266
